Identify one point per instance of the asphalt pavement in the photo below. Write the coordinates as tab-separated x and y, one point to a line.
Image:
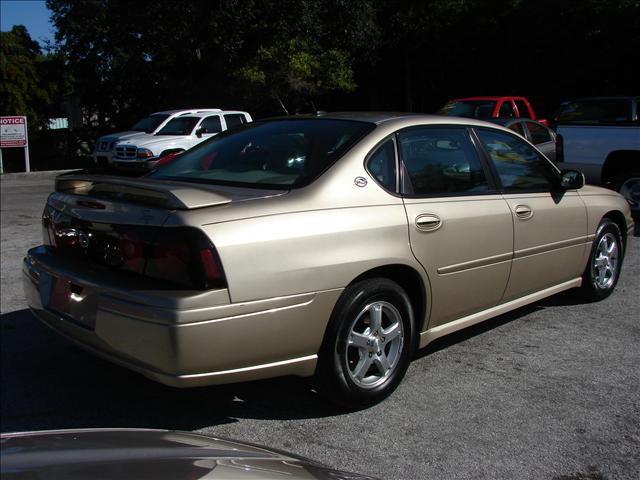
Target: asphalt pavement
550	391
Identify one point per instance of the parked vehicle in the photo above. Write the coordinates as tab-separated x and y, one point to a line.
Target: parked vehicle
490	107
600	136
149	125
118	453
540	135
332	245
142	152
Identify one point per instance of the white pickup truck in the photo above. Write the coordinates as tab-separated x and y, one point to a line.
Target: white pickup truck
142	152
148	125
600	136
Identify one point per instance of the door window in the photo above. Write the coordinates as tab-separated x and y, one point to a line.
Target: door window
440	161
506	110
234	119
211	124
519	166
382	165
523	110
539	133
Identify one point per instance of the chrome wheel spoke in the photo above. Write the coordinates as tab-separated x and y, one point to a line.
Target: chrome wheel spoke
376	317
382	363
362	367
359	341
392	332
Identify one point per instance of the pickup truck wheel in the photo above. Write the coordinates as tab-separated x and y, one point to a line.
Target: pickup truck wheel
368	343
628	185
603	270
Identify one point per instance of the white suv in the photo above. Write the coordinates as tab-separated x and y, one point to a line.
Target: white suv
141	152
149	125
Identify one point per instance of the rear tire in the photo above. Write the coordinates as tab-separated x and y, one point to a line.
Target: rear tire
605	261
368	344
628	185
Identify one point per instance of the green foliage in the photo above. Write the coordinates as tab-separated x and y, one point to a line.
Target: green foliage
299	69
20	80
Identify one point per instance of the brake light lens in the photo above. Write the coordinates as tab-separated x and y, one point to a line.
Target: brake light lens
179	257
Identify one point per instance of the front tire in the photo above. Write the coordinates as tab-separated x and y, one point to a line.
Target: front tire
628	185
368	344
603	270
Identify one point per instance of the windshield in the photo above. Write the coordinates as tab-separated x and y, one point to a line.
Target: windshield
179	126
469	108
276	154
149	124
601	110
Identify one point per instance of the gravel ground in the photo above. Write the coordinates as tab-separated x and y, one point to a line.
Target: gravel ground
550	391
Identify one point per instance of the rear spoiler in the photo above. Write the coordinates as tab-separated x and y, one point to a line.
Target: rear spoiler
169	195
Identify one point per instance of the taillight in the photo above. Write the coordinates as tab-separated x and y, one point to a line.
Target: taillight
186	257
180	257
559	148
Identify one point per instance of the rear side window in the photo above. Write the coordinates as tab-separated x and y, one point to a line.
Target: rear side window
612	110
234	119
506	110
382	165
519	166
539	133
211	124
440	161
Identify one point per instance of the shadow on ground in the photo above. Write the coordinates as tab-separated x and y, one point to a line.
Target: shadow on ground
49	383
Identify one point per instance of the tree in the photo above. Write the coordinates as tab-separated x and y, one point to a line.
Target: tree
297	70
20	79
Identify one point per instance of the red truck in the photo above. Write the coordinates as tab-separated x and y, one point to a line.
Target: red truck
490	107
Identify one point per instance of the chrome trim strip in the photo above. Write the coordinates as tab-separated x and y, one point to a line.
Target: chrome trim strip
235	371
481	262
526	252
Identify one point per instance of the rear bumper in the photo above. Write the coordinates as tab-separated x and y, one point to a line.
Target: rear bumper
181	339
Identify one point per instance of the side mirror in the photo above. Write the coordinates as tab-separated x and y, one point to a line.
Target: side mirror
199	131
571	179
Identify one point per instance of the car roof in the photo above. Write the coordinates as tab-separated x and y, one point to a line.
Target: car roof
203	114
488	98
390	118
185	111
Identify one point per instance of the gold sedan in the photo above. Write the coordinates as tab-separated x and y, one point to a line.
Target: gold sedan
330	246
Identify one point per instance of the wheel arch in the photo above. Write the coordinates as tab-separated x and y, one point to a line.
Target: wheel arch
411	282
617	161
618	218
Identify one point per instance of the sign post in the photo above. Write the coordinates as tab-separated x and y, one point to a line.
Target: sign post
13	133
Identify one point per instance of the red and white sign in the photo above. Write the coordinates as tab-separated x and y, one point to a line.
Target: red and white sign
13	132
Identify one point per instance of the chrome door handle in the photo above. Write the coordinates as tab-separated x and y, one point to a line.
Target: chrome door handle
523	212
428	222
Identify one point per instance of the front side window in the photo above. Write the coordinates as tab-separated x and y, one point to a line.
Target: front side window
519	166
273	154
518	128
382	165
440	161
179	126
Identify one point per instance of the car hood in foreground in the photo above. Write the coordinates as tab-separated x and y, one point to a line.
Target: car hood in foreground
136	453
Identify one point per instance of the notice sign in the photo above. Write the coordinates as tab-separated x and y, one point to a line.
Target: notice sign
13	132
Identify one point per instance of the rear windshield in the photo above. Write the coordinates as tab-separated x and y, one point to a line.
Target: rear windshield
469	108
150	123
271	154
613	110
179	126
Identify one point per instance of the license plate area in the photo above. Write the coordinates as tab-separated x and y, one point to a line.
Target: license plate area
69	301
